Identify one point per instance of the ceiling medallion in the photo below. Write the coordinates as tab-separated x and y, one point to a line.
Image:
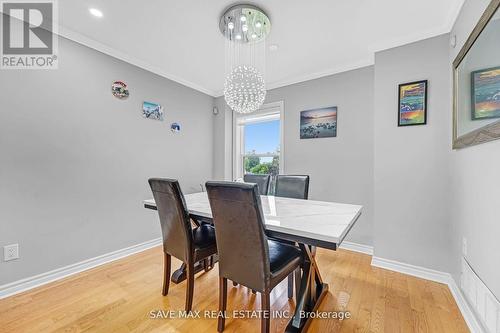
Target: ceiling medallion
245	28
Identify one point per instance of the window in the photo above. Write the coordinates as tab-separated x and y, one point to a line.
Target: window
258	142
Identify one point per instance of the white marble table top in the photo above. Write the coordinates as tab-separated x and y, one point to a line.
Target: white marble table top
325	221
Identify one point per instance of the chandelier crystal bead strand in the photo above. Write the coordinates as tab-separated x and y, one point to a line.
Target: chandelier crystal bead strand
245	28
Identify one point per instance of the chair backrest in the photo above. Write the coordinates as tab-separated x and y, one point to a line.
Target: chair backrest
292	186
261	180
240	233
174	217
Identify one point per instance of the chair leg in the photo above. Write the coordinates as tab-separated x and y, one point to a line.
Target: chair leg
265	320
298	277
222	303
206	264
190	285
167	261
290	285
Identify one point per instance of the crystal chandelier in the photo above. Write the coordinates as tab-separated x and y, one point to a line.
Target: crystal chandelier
245	28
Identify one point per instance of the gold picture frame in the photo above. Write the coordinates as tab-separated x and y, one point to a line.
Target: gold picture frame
488	132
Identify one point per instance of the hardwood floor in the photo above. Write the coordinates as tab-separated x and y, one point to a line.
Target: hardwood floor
119	297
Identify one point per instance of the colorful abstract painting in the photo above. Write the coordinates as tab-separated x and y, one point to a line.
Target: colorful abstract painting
318	123
486	93
412	103
152	111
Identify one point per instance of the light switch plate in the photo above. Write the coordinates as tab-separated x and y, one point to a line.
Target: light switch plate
11	252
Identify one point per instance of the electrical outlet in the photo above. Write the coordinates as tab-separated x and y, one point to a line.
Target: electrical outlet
464	246
11	252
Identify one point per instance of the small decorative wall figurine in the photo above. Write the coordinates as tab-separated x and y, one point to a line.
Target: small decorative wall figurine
119	89
412	104
318	123
152	111
175	128
486	93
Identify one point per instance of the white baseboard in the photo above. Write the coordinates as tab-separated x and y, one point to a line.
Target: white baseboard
19	286
467	311
421	272
472	321
436	276
361	248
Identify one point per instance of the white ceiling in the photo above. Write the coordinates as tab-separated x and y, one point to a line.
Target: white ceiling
180	39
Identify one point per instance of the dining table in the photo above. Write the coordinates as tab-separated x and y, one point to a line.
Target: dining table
308	223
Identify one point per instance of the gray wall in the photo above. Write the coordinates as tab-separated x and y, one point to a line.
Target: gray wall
75	160
411	163
341	168
476	185
223	144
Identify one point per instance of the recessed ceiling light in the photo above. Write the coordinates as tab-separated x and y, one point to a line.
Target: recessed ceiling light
258	25
95	12
244	27
238	36
230	25
254	35
243	18
274	47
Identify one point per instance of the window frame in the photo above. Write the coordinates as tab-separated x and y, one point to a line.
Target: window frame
268	112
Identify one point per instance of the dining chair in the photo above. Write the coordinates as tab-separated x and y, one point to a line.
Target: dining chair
180	239
246	255
292	186
296	187
261	180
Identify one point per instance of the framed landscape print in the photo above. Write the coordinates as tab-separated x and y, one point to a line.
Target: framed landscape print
412	103
485	93
318	123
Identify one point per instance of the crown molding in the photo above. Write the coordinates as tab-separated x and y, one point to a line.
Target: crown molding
91	43
369	61
445	28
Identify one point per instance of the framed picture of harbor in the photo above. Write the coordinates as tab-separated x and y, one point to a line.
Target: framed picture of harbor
485	93
412	103
318	123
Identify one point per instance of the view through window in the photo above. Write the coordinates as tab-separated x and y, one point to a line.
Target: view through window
262	147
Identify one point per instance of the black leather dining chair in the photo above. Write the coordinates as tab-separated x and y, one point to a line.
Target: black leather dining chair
180	239
262	182
296	187
246	255
292	186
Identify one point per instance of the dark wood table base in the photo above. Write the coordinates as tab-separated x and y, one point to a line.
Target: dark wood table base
312	288
311	294
179	274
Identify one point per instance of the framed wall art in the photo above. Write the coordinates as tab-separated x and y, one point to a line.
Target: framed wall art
412	103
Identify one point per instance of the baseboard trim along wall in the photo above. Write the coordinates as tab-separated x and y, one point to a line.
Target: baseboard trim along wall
436	276
361	248
484	303
472	321
22	285
19	286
